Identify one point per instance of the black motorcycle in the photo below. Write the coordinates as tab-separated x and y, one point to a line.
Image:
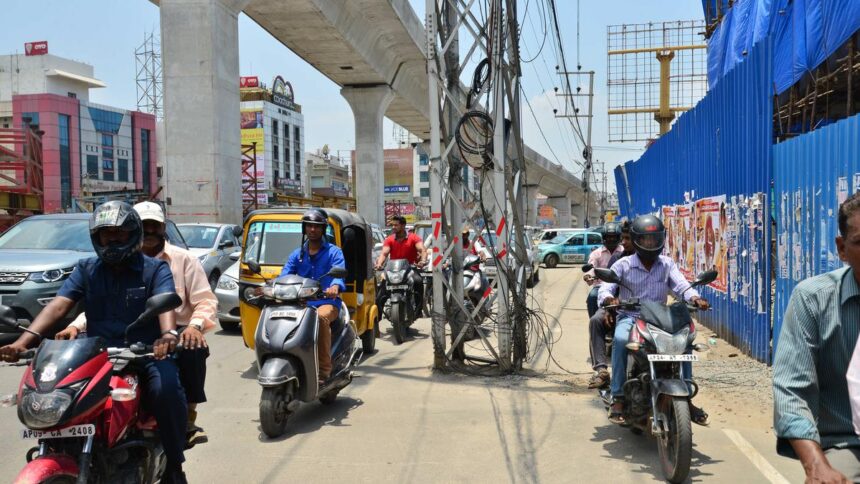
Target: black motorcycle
400	308
656	395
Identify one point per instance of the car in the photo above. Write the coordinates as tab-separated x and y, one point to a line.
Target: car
490	241
569	248
549	234
378	237
212	243
227	292
38	254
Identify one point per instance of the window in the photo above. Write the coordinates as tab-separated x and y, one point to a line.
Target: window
578	239
122	167
92	167
318	182
144	149
72	95
287	159
424	176
594	239
64	122
425	192
275	143
107	157
423	160
298	170
107	175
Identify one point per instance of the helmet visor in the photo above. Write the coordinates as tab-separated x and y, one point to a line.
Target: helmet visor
652	241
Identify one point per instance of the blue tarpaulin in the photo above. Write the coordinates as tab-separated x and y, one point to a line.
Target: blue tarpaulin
804	32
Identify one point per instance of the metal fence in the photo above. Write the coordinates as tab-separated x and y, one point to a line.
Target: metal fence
719	155
813	174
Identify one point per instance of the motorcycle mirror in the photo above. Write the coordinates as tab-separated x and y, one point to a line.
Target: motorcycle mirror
155	305
606	275
377	246
235	255
8	317
706	278
587	267
338	272
237	231
254	266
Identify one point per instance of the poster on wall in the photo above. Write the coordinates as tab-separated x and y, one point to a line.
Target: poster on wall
685	240
252	132
711	244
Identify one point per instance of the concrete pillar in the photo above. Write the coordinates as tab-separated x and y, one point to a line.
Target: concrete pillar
531	205
562	204
368	106
200	62
578	211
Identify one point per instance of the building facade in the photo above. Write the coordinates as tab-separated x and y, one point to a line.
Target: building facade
329	174
87	148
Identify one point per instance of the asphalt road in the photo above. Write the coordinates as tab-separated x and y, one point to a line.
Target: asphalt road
401	422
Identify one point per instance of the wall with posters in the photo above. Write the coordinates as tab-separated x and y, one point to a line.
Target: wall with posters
710	178
813	175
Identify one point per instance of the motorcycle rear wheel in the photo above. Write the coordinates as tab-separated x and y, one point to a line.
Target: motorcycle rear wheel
273	410
675	445
398	325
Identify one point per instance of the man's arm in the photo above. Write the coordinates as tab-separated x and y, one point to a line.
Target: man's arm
291	265
593	259
199	295
336	260
386	249
607	289
53	312
678	284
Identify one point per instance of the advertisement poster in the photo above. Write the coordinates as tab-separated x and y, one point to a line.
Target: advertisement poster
398	174
711	246
684	235
252	132
842	189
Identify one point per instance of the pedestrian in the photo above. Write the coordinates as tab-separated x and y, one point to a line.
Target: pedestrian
812	409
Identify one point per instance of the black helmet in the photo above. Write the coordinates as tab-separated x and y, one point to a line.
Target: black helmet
611	236
649	236
120	215
314	216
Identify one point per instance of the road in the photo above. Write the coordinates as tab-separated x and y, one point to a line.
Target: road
401	422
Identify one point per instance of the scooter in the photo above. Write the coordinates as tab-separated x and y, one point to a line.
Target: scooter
400	307
656	394
286	347
80	403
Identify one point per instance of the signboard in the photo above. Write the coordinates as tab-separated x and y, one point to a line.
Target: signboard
251	125
282	94
397	189
36	48
397	170
249	81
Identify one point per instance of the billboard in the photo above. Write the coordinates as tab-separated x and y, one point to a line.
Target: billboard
399	164
252	132
249	81
36	48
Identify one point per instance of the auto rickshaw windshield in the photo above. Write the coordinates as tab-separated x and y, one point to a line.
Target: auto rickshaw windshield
271	243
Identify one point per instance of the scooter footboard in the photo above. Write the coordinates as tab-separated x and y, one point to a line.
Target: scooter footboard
276	371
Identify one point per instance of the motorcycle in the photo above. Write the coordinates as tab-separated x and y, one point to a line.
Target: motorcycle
400	307
286	348
656	395
79	401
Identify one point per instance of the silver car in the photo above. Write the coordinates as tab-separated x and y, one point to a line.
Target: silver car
532	268
213	244
227	291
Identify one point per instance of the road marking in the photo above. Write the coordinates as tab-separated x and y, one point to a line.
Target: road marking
770	473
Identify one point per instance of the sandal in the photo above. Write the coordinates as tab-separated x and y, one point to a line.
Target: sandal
699	416
599	380
616	413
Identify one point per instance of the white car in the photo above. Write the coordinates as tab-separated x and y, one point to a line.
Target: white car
227	292
213	244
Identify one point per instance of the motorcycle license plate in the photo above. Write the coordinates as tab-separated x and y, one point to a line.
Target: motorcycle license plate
75	431
285	313
673	357
398	286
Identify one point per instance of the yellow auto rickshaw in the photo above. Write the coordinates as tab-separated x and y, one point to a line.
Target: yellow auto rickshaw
271	235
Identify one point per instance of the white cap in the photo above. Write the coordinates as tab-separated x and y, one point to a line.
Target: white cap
149	211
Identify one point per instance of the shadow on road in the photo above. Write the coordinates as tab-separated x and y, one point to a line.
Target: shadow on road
620	443
312	416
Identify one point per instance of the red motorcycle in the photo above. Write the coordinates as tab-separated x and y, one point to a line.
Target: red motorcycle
79	401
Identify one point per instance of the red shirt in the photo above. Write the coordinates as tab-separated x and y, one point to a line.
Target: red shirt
403	249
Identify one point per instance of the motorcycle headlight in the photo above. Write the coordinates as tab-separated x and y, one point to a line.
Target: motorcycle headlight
286	292
308	292
227	283
395	277
51	275
670	344
44	410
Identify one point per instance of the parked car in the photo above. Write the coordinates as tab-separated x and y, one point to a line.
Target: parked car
227	292
569	248
378	237
212	243
490	240
37	255
549	234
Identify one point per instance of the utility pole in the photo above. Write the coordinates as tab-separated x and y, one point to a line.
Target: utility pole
573	117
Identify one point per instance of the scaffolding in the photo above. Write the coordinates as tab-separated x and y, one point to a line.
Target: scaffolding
21	178
147	60
250	192
654	72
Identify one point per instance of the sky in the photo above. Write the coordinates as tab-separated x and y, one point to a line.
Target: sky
105	33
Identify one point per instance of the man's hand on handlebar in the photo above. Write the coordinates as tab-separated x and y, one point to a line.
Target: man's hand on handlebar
164	346
10	352
701	303
333	291
69	333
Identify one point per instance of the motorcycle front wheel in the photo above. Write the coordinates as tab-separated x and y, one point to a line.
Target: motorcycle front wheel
273	409
398	323
675	445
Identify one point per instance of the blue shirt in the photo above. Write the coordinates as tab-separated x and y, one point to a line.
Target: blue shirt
818	335
653	285
113	299
316	266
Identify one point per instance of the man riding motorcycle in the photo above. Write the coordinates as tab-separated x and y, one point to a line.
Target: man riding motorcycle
314	259
400	245
197	314
114	287
603	321
599	259
648	276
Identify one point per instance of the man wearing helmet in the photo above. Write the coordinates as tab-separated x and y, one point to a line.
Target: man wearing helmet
196	315
114	287
650	276
314	259
599	259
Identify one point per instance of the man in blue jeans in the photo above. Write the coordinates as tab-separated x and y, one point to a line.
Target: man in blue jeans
649	276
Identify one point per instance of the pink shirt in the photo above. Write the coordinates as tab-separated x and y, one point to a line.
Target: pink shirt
599	258
199	304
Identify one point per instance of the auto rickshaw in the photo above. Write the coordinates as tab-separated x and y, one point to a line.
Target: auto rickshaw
271	235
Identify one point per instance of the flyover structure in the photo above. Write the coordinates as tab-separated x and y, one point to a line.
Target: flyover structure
374	49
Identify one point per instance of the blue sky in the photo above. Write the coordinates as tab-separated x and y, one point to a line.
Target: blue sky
105	33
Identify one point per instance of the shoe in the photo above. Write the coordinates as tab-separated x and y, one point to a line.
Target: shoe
699	416
195	435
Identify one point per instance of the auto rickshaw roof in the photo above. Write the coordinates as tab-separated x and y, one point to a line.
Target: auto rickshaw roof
343	218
